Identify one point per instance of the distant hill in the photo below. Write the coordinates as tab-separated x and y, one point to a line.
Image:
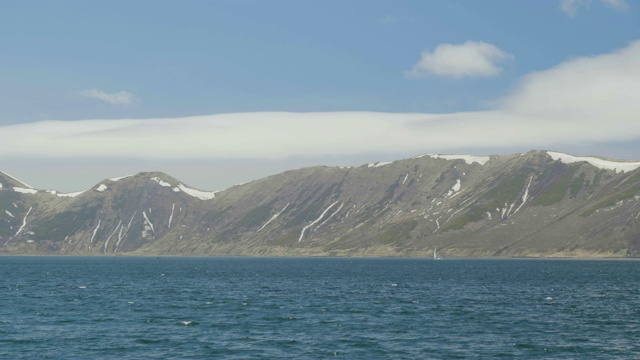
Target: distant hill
538	204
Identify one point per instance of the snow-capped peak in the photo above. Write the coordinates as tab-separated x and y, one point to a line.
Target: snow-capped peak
597	162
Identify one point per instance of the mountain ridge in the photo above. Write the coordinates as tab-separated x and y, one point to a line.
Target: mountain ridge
537	204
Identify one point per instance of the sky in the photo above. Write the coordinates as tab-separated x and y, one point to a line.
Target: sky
223	92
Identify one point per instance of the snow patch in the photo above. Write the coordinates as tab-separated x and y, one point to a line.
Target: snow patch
378	164
243	183
202	195
120	178
25	191
455	188
405	179
597	162
161	182
71	194
102	188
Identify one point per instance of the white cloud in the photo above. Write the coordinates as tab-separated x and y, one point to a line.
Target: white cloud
589	100
473	58
389	20
572	7
619	5
119	98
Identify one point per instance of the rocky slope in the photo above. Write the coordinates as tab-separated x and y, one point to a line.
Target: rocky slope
538	204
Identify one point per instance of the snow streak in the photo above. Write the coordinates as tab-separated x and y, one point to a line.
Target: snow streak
106	243
120	236
525	195
24	221
274	217
95	231
335	212
173	206
315	221
130	221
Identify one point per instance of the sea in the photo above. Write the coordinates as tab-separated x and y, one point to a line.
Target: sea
317	308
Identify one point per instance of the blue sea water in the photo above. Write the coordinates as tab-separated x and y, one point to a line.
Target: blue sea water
202	308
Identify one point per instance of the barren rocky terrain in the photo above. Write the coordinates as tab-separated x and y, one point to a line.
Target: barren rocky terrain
538	204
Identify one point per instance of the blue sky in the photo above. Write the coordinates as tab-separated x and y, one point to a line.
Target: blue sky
78	61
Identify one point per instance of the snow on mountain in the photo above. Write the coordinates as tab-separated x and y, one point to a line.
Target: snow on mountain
161	182
202	195
53	192
405	209
469	159
120	178
597	162
379	164
74	194
25	191
21	182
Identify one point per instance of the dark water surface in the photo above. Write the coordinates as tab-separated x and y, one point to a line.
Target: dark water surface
200	308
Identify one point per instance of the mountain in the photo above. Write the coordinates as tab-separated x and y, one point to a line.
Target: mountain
538	204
